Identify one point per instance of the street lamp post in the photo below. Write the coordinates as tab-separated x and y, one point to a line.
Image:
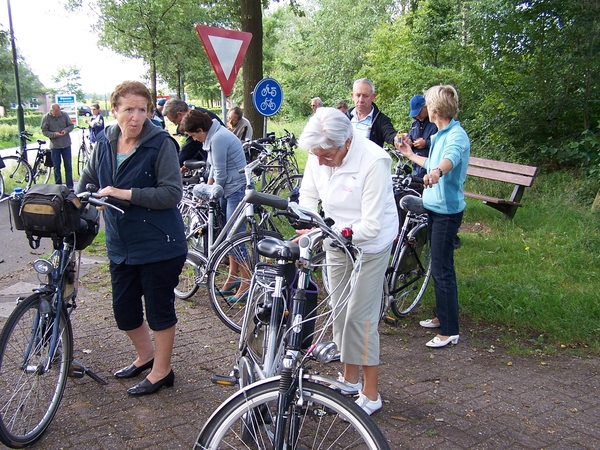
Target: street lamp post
20	115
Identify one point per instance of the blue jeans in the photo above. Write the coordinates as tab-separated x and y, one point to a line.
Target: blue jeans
442	233
64	154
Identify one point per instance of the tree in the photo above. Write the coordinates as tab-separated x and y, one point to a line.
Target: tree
31	87
68	79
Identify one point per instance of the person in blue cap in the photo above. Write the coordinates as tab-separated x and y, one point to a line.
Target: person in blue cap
157	116
420	132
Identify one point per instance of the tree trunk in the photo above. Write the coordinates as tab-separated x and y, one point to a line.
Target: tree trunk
596	204
253	62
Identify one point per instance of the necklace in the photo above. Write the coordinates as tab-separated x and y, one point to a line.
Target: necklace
122	149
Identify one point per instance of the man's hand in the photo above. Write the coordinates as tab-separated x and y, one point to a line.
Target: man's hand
110	191
420	143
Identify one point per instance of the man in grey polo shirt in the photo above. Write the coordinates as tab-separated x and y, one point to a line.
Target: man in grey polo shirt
56	126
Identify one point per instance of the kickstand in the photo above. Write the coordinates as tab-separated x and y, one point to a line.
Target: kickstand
78	370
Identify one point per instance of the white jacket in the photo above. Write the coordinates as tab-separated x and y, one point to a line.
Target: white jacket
357	194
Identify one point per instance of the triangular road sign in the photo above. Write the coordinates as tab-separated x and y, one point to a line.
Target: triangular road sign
226	50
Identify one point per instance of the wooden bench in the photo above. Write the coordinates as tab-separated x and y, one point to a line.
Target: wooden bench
517	174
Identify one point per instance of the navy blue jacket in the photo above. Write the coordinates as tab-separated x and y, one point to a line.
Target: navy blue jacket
151	229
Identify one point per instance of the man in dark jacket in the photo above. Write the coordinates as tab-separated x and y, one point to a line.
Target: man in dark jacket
175	110
366	117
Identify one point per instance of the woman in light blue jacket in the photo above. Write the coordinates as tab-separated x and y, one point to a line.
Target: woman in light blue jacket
225	157
444	200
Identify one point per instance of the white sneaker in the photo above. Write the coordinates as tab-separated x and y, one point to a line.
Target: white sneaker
350	388
368	406
429	323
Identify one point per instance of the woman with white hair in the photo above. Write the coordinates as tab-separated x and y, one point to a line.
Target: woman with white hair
351	176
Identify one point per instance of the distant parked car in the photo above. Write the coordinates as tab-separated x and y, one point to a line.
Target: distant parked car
83	110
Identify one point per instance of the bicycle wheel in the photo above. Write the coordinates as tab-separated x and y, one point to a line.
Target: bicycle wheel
323	418
82	157
289	188
192	276
29	395
41	173
195	222
1	185
17	173
242	247
409	279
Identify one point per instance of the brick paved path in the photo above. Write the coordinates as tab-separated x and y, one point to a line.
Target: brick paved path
470	396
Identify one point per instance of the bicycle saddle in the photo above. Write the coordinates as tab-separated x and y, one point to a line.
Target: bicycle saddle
412	203
277	249
207	192
193	164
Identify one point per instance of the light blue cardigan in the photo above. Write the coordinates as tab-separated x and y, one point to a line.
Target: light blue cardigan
447	197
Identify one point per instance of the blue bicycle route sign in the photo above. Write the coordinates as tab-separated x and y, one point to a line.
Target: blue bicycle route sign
267	96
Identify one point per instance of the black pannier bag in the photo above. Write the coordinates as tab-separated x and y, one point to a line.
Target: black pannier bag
50	210
89	225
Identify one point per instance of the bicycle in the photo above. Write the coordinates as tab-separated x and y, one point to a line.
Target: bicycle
409	271
295	409
85	150
15	170
36	343
212	243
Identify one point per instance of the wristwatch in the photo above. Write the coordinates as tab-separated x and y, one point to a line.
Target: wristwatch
441	173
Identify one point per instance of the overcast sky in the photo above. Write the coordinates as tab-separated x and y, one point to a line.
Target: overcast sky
49	38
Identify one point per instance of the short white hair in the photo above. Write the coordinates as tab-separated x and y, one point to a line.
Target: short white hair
327	128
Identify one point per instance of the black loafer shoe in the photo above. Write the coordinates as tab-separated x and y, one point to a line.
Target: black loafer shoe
146	387
132	371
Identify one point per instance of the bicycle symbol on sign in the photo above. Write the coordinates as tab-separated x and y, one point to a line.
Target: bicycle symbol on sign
268	103
268	90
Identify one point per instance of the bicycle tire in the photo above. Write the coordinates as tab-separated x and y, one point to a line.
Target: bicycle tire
325	419
195	222
82	157
17	173
1	185
232	314
41	173
408	281
192	275
30	399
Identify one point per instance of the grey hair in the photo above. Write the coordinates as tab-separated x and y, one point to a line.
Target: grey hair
317	100
367	81
327	128
173	106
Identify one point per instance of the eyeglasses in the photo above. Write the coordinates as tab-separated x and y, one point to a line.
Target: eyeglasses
326	158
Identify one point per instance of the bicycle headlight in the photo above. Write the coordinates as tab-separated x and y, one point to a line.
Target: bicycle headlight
324	352
43	266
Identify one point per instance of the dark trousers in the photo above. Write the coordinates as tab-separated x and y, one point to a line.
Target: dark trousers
64	154
442	233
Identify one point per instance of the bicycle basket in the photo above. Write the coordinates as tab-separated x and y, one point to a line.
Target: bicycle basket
89	225
50	210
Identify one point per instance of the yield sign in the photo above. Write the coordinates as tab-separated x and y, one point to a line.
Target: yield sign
226	50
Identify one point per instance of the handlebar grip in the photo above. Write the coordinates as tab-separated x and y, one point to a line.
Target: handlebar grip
260	198
123	204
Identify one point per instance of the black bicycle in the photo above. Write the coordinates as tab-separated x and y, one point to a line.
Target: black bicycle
85	149
36	343
15	170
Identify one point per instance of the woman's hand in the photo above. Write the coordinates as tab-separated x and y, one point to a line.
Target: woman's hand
431	179
110	191
404	148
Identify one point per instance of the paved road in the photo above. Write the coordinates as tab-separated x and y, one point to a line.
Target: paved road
471	396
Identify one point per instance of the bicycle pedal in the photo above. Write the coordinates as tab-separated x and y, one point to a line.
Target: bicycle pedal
389	320
76	371
224	380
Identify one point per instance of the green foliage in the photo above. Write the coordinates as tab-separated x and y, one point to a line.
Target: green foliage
29	82
69	80
584	153
537	273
